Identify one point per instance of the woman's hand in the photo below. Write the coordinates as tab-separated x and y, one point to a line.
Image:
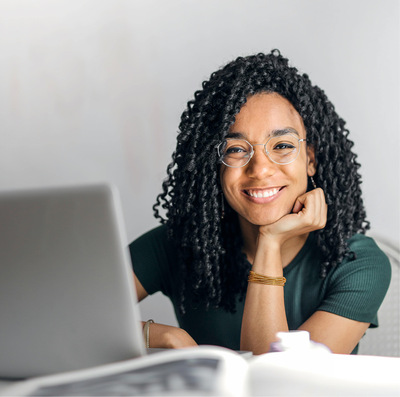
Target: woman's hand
309	213
169	337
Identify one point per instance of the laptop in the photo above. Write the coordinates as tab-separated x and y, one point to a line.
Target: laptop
67	296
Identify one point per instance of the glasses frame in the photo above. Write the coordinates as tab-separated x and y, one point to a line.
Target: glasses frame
252	150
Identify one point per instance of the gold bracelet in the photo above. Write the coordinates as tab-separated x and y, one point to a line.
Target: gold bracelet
260	279
146	333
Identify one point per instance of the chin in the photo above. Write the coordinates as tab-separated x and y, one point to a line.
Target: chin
265	223
263	220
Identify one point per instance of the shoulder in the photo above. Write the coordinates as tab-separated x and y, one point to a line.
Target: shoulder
370	265
152	256
368	254
356	287
364	245
152	246
158	234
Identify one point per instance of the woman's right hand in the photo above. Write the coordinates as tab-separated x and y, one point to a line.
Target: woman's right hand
169	337
164	336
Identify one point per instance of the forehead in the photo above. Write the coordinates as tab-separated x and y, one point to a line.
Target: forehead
264	113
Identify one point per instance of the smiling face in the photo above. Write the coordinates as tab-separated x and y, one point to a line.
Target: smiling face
262	191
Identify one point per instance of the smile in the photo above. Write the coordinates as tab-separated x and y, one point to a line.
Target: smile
259	193
263	196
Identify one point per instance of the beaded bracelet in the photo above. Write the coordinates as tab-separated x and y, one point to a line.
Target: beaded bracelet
260	279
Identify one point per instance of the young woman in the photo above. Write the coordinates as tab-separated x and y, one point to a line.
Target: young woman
264	224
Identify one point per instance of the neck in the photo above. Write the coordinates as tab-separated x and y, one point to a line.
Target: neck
289	249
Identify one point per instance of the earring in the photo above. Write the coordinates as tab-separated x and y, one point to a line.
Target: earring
313	182
222	206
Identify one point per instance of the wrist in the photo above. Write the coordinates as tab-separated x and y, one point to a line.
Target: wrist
272	238
269	243
146	333
268	255
268	260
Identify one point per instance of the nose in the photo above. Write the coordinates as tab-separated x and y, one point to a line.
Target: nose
260	166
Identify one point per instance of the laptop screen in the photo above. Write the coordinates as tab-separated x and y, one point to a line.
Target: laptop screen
67	297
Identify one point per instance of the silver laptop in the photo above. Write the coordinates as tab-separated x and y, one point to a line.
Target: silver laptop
67	298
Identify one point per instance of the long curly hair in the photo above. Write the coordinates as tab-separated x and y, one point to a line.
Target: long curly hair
212	267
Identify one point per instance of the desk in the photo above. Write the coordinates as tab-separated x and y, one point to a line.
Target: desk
325	375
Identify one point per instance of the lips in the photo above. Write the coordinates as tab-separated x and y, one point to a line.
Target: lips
263	195
262	192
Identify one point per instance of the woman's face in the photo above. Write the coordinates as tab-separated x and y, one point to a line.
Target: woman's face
262	191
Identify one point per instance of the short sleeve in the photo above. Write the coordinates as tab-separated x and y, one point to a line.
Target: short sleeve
356	288
150	255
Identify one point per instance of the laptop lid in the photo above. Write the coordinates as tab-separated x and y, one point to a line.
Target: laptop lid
67	296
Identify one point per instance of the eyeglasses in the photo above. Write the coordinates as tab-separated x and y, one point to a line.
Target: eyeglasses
281	149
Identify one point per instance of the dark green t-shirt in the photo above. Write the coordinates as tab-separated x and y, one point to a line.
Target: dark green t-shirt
354	289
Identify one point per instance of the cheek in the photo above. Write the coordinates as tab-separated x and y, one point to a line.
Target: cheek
297	180
225	178
228	180
302	181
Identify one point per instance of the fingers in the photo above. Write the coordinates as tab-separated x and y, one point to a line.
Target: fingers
312	208
298	206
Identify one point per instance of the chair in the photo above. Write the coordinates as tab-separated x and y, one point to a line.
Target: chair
385	340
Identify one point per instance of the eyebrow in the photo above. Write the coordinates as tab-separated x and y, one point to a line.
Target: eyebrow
274	133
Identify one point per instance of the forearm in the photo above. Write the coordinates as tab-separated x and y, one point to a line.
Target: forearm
264	310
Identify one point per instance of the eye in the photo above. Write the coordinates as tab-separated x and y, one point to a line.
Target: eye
284	146
235	149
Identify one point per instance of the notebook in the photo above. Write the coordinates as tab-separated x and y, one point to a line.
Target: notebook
67	296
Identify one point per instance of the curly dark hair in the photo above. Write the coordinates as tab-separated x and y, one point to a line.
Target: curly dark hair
212	267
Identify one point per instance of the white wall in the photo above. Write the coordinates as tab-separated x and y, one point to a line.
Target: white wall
93	90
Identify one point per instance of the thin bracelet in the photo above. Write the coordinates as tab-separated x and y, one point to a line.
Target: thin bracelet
260	279
146	332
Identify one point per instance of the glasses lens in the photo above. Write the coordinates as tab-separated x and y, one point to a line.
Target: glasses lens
283	149
235	152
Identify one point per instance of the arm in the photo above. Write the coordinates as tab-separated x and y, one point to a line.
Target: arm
160	335
264	312
340	334
363	283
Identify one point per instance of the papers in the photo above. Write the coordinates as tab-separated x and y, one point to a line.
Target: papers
215	371
202	371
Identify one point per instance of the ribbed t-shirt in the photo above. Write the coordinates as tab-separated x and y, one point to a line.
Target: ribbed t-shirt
353	289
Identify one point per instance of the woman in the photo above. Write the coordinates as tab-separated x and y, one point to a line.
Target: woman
264	225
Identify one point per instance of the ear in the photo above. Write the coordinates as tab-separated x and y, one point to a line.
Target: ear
311	163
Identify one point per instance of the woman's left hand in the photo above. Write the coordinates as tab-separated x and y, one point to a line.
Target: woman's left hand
309	213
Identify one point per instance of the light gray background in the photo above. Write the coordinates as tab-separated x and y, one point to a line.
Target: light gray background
93	90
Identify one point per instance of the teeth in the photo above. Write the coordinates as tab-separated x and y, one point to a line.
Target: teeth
263	193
